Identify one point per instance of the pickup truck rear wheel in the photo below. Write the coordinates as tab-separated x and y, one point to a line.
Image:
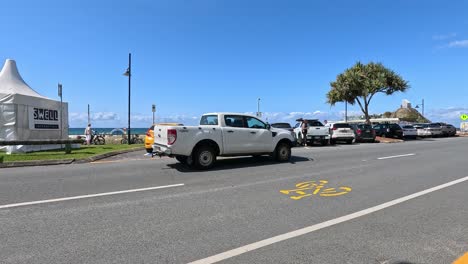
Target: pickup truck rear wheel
282	152
204	157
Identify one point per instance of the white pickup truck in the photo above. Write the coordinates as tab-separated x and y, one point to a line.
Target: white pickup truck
316	132
222	134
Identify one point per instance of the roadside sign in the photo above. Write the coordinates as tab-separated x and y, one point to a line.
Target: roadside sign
60	90
153	108
464	126
464	117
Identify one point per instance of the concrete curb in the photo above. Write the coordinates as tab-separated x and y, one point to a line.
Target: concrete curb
388	140
66	161
35	163
106	155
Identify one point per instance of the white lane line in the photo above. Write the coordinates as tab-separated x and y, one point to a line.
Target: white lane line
87	196
312	228
397	156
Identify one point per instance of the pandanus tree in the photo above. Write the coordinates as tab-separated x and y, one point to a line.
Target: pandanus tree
361	82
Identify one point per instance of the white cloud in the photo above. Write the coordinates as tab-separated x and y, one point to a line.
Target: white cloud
105	116
111	119
98	116
291	117
448	113
446	36
459	44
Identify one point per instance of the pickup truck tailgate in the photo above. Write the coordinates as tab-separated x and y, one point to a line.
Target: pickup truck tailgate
160	134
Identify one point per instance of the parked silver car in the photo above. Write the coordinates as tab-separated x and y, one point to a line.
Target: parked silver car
409	131
435	129
422	130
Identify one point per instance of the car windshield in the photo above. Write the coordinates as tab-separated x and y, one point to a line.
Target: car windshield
408	127
364	126
314	123
341	125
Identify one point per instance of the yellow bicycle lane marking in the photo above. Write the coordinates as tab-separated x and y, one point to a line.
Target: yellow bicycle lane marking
309	188
462	260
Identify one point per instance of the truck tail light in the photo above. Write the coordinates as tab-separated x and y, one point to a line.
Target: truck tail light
334	128
171	136
359	131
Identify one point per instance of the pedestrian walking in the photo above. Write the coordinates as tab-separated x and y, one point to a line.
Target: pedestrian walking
88	134
304	132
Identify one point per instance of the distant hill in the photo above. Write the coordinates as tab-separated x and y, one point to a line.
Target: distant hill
410	115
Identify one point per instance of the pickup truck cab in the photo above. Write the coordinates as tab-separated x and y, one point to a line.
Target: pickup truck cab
316	132
222	134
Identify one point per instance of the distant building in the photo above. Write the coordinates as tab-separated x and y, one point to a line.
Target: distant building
405	104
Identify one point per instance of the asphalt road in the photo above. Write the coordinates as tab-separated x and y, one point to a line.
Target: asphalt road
236	211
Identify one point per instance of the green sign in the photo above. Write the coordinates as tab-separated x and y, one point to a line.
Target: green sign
464	117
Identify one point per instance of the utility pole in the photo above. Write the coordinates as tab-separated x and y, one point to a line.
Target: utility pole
259	114
61	109
346	111
153	109
89	119
128	73
423	107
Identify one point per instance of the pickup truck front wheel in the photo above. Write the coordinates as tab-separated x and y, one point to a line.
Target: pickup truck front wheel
204	157
282	152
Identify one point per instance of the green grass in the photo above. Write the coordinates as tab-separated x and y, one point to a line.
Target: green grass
83	152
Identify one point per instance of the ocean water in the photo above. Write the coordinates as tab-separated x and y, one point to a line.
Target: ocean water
107	131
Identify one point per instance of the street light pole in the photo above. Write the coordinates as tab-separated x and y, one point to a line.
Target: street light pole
422	105
258	108
129	74
346	111
61	109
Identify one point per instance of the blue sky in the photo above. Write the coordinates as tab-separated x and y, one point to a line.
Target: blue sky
191	57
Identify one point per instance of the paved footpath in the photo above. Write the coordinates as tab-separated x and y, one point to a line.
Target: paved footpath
364	203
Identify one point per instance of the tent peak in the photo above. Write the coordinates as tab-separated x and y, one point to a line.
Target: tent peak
11	81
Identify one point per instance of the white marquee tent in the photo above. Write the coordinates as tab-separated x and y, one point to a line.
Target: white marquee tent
26	115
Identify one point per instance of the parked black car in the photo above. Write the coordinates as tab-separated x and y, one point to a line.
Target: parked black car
447	129
389	130
452	131
286	126
364	132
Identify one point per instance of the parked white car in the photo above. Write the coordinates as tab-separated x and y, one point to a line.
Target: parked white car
409	131
316	132
222	134
341	132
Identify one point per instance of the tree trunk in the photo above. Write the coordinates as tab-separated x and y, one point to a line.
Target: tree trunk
366	111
